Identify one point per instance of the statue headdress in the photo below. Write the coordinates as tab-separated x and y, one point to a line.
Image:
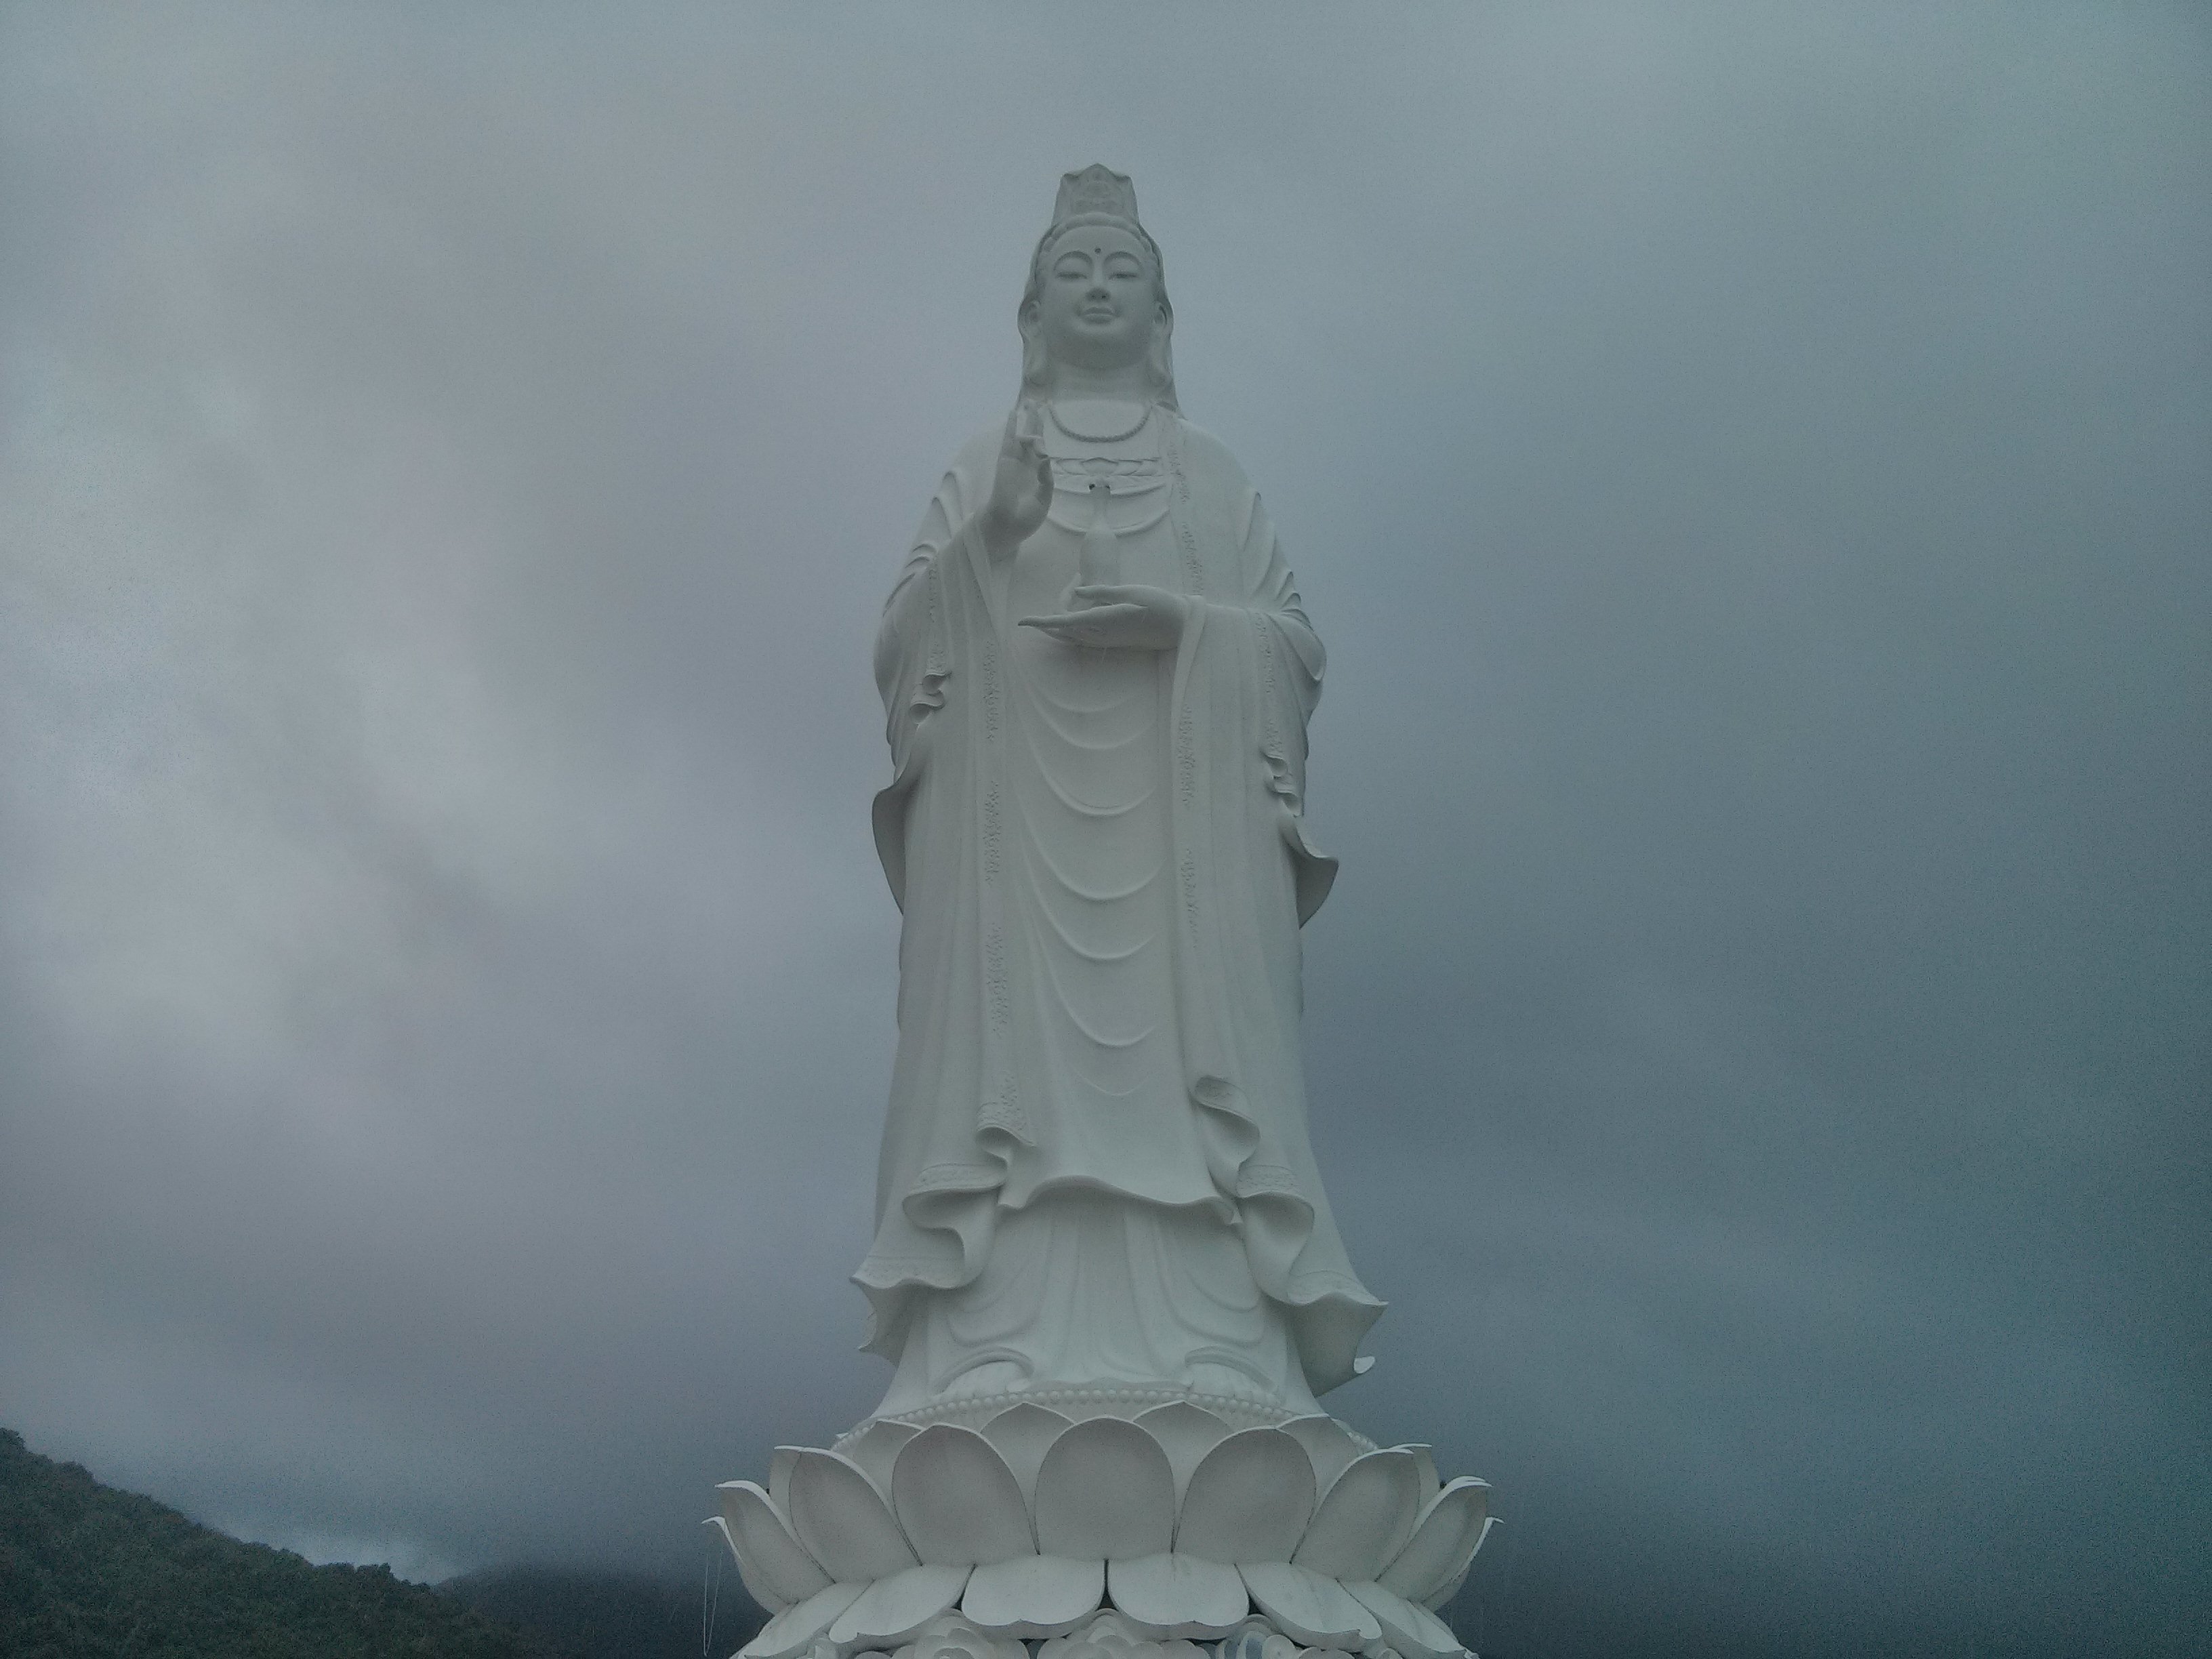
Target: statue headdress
1098	196
1097	189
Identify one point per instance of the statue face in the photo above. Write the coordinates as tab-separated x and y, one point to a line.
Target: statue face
1100	302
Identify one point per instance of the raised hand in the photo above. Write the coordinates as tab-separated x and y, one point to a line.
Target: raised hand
1021	492
1120	616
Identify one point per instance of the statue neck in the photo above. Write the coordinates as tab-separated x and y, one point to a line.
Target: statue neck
1132	383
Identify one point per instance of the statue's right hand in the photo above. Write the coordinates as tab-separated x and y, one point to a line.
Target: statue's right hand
1021	493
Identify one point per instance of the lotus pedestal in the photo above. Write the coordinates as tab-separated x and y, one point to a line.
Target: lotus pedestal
1092	1524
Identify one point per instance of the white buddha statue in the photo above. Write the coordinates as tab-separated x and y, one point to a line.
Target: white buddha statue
1096	1171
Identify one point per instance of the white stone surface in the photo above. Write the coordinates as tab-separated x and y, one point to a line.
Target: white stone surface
1249	1499
1105	1270
1022	1434
949	1636
892	1609
1364	1518
1412	1630
956	1501
1328	1443
876	1448
1096	1166
1186	1433
1105	1489
796	1629
1036	1595
1102	1501
1178	1595
1111	1636
1443	1541
1318	1611
842	1519
776	1568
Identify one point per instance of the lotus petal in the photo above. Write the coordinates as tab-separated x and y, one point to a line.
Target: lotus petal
1314	1609
1023	1434
1425	1456
958	1500
1443	1598
1186	1433
1414	1631
1328	1442
1365	1518
1034	1596
1105	1491
774	1565
1442	1543
1438	1597
875	1448
891	1609
723	1527
1178	1595
794	1630
778	1478
1248	1499
845	1526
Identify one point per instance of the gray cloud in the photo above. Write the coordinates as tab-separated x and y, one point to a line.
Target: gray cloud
1748	466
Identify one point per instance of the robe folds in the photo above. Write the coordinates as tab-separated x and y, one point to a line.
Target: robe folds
1102	872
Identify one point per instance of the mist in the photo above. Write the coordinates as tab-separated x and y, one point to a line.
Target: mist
1748	464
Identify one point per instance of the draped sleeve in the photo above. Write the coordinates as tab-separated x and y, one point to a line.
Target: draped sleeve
916	643
1285	663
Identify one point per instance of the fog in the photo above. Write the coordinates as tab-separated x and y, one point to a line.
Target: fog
1748	464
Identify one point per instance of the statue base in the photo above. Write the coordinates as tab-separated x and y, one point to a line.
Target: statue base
1112	1523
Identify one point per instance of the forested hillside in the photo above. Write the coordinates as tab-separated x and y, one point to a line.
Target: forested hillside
86	1572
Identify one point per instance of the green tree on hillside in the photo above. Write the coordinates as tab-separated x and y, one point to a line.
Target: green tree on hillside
86	1572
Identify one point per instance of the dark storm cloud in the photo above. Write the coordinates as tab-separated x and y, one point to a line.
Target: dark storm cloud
1748	465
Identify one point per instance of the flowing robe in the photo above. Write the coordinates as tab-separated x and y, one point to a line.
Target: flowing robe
1095	1165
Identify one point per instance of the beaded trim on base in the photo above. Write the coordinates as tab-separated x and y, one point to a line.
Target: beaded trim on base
979	1408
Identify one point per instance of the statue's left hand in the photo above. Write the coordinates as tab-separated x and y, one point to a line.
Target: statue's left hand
1127	617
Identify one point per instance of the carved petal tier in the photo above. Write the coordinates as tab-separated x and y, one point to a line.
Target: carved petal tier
1177	1523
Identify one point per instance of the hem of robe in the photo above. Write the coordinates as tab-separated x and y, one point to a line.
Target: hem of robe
1327	1312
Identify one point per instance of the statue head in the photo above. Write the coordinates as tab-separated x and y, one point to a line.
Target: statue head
1098	295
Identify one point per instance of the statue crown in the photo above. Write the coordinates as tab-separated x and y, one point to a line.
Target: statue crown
1097	189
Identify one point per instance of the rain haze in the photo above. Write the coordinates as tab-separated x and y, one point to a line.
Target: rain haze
1749	465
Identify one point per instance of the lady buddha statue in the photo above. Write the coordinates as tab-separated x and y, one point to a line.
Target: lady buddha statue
1096	1171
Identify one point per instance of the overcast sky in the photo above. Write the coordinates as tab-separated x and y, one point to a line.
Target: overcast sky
1749	465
